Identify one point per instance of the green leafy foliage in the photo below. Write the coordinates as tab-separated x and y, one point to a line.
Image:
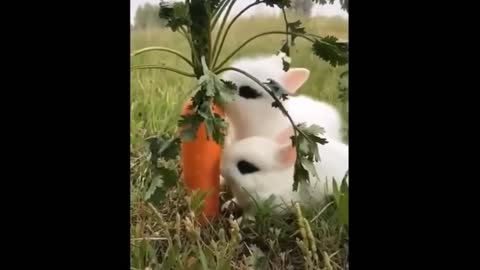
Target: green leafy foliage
215	125
175	14
163	147
308	142
212	90
200	32
164	151
278	3
279	91
164	179
341	200
329	50
300	174
154	188
216	128
307	152
221	91
189	124
286	50
294	27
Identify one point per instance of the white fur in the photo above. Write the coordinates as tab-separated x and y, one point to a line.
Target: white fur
305	109
273	179
256	117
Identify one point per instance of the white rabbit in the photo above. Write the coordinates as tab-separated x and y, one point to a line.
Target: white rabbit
259	167
251	113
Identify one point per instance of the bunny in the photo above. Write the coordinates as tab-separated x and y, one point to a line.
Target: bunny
259	167
251	112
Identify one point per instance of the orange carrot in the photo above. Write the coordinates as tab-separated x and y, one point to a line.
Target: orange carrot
200	161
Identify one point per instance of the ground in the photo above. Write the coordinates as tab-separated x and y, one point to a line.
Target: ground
163	235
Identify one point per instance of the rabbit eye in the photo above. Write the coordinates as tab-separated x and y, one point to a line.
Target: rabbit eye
248	92
246	167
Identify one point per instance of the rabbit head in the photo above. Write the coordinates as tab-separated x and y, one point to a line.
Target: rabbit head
251	111
259	167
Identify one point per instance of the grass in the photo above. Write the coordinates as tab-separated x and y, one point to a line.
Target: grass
163	236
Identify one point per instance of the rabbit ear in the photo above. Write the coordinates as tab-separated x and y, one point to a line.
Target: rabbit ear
286	155
294	78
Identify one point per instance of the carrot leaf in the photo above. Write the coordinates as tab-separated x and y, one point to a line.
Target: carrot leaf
330	50
221	91
294	27
278	3
307	152
174	14
189	124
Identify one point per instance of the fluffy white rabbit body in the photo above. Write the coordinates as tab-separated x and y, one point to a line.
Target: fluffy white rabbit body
259	167
251	113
